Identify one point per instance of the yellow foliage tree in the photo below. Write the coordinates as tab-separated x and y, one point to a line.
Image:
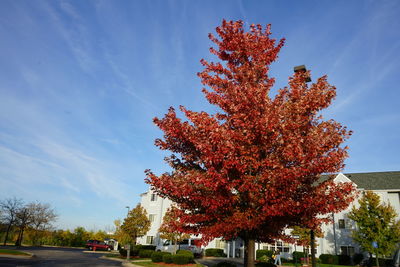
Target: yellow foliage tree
136	224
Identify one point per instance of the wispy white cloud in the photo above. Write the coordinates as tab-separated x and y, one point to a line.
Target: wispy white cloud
375	66
75	34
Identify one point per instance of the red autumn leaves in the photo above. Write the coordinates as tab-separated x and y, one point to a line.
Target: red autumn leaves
254	168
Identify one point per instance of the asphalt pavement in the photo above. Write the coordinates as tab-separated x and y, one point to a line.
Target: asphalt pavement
50	256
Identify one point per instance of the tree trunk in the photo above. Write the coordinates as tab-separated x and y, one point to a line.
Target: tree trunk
249	251
312	237
377	259
19	238
8	231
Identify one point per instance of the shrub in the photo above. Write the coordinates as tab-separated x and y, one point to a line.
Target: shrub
344	260
181	259
264	258
382	262
215	252
133	252
357	258
167	258
263	252
329	259
145	253
297	255
147	247
157	256
224	264
187	253
122	252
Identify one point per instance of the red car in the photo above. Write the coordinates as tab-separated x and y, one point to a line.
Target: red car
98	245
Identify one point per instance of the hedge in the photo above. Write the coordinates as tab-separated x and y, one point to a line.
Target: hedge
186	253
263	252
215	252
297	255
329	259
157	256
133	252
344	260
147	247
145	253
357	258
136	249
181	259
167	258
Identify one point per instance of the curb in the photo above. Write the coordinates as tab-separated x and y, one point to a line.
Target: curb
31	255
123	262
101	252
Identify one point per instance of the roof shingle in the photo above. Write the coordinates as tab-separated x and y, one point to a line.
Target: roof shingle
376	180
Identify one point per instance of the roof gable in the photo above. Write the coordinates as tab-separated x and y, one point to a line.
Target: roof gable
376	180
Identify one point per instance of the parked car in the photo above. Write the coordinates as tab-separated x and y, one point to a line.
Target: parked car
98	245
186	244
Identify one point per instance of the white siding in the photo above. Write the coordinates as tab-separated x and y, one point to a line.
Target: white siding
325	245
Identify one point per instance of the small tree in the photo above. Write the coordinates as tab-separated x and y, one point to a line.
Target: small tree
24	219
377	230
168	229
136	224
10	208
305	239
42	217
120	235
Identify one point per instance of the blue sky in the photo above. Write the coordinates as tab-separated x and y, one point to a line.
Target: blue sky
80	82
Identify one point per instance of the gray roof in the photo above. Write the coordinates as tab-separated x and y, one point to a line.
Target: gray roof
376	180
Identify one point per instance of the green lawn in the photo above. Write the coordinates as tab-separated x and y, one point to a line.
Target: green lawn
112	255
13	252
115	255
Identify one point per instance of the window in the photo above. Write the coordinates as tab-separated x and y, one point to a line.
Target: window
282	247
184	242
152	217
279	246
220	244
347	250
342	224
149	239
153	197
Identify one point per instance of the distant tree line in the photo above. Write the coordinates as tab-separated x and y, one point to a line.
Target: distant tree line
74	238
19	219
31	224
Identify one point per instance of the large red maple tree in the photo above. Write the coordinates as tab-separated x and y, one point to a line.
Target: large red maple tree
252	169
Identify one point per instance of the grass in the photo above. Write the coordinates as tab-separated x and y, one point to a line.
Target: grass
13	252
112	255
118	256
161	264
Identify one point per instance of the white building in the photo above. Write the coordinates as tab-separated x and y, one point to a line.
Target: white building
336	236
